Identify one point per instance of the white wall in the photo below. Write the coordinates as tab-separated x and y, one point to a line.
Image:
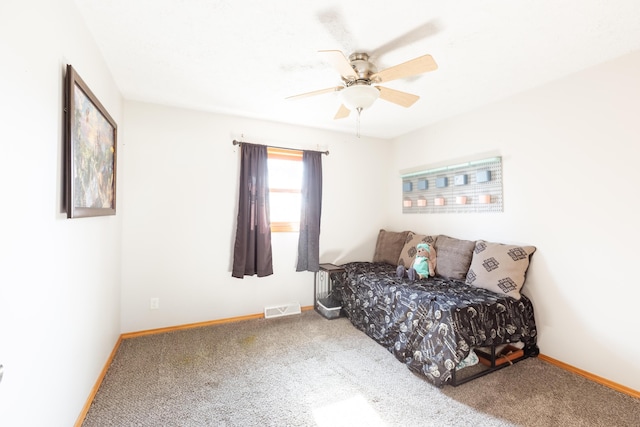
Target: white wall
570	152
180	207
59	278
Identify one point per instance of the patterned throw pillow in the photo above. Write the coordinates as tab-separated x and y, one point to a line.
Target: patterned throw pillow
499	268
389	245
454	257
409	251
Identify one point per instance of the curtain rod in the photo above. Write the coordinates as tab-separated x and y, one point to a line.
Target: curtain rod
236	142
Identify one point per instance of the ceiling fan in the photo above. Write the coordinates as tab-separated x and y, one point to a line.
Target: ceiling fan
359	75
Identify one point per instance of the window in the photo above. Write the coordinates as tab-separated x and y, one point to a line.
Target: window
285	186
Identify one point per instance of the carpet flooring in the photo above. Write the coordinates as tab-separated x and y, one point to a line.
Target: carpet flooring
304	370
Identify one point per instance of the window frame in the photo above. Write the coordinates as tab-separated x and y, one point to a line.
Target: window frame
294	156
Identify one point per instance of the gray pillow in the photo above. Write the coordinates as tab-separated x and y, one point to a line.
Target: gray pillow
499	268
389	245
454	257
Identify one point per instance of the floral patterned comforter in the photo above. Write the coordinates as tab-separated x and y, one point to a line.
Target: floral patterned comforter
431	325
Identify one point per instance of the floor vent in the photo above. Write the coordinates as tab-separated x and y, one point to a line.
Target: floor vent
281	310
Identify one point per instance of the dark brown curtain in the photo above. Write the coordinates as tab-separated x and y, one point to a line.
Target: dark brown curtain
252	250
309	240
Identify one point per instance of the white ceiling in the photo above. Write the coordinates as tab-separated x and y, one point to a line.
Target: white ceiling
243	57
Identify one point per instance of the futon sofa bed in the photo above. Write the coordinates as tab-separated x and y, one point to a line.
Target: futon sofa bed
471	306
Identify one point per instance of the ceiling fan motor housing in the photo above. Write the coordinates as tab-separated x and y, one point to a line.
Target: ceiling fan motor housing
363	68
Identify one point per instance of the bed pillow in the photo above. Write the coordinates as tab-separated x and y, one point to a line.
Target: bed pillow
499	268
454	257
409	251
389	245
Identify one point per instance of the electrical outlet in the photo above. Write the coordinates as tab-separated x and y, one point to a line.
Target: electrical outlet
154	303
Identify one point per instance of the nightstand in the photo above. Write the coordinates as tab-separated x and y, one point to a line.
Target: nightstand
323	302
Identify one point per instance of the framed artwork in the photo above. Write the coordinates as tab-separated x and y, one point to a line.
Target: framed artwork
90	152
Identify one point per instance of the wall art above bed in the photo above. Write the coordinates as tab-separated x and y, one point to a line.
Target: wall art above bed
473	186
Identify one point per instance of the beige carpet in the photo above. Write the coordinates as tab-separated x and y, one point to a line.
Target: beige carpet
304	370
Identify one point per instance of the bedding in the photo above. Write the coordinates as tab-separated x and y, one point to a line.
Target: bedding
431	325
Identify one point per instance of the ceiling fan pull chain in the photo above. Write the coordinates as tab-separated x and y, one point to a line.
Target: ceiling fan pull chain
359	110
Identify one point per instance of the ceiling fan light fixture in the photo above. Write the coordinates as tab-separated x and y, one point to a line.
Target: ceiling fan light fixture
359	97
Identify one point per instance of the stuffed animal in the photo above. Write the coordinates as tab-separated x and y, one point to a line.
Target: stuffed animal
423	265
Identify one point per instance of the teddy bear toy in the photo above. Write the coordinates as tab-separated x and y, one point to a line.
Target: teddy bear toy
423	265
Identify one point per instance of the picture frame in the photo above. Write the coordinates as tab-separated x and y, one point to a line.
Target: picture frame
90	152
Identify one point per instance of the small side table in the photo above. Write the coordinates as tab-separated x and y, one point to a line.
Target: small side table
322	288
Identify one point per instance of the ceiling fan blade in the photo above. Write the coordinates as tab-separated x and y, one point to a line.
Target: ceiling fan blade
340	62
316	92
342	112
337	27
403	99
423	31
415	66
